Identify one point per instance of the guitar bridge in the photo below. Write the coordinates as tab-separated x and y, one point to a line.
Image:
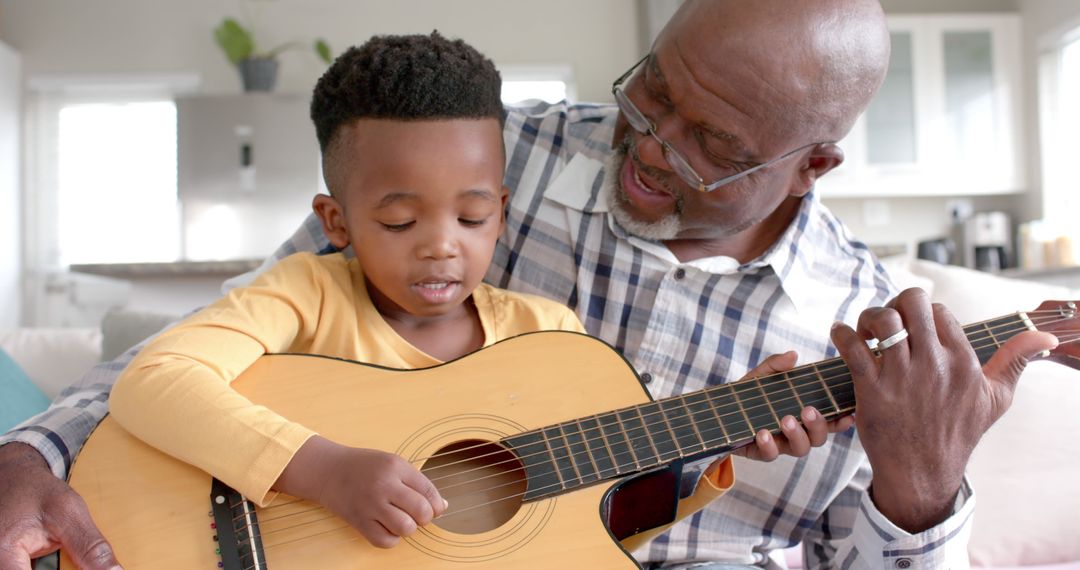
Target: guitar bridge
238	537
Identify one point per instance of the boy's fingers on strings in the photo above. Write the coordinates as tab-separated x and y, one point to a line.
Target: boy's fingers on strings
421	484
414	504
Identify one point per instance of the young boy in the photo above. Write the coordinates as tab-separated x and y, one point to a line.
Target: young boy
411	137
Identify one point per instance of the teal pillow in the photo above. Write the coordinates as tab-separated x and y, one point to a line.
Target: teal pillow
19	397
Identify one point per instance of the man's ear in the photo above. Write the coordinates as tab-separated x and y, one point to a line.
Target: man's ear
332	216
823	158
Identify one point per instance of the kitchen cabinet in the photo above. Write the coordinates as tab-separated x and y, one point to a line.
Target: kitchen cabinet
948	119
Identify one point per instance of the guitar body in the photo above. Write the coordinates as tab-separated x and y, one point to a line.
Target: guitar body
154	509
543	495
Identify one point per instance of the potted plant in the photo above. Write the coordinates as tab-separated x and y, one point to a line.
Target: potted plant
258	69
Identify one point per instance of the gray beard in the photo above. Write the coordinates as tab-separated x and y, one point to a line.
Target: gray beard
663	229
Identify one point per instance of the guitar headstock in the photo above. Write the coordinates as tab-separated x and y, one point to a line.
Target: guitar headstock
1061	319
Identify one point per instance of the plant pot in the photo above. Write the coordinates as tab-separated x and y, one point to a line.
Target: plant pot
258	74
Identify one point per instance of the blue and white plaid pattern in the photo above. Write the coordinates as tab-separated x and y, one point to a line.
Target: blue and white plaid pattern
684	325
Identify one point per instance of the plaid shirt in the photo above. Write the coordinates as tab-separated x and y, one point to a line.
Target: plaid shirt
684	326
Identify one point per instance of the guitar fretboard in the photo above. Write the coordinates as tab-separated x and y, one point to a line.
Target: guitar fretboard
584	451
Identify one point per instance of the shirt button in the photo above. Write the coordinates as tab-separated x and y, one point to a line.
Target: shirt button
680	273
903	563
646	377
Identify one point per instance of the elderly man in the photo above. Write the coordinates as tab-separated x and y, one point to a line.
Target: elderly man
682	227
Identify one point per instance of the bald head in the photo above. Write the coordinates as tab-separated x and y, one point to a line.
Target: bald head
812	65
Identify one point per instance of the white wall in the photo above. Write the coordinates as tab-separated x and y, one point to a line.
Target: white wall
10	204
599	38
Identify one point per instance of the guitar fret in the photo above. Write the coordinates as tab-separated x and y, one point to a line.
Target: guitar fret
703	416
798	398
765	397
817	373
733	416
757	409
985	342
782	397
716	414
811	392
685	430
651	428
640	444
605	462
555	459
842	389
629	446
662	412
571	453
584	444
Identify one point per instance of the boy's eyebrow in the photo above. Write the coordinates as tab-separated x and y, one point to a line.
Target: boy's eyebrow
395	197
478	193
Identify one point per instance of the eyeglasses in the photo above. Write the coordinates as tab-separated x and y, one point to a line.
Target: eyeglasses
678	162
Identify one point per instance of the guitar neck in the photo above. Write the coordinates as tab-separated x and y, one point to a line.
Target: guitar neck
583	451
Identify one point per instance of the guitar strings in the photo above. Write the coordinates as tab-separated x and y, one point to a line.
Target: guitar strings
744	385
832	365
571	453
488	489
598	472
459	511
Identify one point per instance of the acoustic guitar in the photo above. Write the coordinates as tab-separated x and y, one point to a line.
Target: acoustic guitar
547	446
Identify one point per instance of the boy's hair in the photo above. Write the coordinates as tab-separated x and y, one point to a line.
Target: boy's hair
406	78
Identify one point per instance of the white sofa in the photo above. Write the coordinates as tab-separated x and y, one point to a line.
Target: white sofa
1024	471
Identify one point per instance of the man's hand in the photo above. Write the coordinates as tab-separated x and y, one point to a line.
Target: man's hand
925	402
795	440
378	493
40	514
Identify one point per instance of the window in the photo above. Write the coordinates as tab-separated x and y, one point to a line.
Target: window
116	182
102	182
527	84
1059	111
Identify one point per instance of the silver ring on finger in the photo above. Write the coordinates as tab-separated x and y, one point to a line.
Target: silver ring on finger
892	340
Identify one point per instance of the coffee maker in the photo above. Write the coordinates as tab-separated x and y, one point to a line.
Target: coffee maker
987	241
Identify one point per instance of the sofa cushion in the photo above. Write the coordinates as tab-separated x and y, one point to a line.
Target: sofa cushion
122	329
976	295
1025	471
53	357
1025	468
22	399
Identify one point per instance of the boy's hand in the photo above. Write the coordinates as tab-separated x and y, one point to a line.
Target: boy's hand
378	493
794	440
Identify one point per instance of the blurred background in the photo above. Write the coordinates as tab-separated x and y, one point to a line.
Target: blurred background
147	152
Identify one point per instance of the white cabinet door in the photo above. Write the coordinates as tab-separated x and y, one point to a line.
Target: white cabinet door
946	121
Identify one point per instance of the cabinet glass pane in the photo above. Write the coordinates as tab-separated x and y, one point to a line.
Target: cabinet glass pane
890	119
969	95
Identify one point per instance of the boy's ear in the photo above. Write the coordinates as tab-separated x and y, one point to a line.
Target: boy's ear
503	197
332	216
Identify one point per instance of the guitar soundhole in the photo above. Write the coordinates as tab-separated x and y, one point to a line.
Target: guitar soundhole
483	482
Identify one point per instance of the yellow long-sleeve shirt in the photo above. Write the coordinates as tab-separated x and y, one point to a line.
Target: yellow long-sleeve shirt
175	395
